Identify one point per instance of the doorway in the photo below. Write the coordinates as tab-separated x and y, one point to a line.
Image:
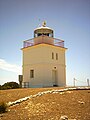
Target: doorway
54	77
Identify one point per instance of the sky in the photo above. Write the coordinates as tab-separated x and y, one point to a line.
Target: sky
70	20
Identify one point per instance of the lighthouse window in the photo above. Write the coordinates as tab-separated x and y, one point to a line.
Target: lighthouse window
39	34
56	56
47	34
31	73
52	55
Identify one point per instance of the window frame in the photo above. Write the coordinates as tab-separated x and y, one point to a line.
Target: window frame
31	73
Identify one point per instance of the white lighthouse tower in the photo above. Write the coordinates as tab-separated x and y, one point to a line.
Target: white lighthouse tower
44	60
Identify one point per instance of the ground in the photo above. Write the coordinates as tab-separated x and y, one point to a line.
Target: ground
51	106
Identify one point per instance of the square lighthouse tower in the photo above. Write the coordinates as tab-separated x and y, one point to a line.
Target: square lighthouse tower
44	60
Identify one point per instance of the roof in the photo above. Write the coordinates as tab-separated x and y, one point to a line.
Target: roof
42	27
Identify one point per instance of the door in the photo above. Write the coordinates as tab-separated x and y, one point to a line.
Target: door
54	77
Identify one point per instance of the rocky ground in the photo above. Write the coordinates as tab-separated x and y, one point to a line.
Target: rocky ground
74	104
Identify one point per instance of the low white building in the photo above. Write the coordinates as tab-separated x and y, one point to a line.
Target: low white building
44	60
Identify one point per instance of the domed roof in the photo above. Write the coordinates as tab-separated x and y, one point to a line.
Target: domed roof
43	27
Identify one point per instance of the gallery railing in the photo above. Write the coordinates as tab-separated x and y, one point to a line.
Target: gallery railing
43	39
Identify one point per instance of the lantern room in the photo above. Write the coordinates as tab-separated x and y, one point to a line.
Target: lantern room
43	30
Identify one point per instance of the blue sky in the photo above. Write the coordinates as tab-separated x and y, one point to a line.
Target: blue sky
70	20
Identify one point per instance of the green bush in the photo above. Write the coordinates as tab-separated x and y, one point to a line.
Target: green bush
3	107
10	85
0	87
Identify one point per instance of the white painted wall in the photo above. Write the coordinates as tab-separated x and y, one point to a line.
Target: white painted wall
39	58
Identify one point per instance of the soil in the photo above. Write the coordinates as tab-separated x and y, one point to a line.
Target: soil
51	106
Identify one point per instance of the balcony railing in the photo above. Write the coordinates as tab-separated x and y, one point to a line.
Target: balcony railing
45	40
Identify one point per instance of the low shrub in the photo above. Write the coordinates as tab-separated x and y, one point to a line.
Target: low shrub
3	107
9	85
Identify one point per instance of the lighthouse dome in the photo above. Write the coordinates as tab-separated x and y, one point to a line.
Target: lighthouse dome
43	30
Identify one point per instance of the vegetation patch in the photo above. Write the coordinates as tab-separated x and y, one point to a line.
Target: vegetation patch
9	85
3	107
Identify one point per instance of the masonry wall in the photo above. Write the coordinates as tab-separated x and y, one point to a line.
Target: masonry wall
39	59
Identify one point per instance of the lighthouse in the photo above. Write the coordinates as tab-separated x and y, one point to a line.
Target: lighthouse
43	60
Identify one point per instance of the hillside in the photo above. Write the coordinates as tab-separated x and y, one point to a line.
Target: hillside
75	104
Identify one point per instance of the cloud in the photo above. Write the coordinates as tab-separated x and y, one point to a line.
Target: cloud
10	67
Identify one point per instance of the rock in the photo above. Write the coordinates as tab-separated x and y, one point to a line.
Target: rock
81	102
1	115
64	117
61	93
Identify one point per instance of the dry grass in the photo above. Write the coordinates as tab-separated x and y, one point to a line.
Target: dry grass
74	104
